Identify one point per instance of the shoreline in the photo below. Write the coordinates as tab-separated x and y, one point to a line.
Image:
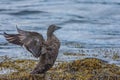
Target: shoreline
84	69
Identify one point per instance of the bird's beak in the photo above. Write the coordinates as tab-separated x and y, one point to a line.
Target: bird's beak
57	28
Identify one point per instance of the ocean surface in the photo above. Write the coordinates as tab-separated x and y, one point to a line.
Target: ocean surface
90	28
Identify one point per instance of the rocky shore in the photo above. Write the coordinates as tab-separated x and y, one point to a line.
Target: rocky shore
85	69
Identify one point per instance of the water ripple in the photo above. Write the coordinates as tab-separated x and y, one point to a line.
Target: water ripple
85	23
98	2
26	12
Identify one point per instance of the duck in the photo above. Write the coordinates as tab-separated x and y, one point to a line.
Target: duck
45	50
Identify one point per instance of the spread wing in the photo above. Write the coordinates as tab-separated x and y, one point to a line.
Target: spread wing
31	40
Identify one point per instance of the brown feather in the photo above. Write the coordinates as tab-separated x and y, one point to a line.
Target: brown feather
47	51
13	38
31	40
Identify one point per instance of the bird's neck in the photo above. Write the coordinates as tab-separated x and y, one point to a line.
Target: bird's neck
49	34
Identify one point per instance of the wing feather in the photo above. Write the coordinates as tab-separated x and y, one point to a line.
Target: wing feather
31	40
13	38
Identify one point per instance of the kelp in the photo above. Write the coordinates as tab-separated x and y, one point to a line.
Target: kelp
85	69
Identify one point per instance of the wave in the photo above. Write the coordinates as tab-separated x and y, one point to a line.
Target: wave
98	2
26	12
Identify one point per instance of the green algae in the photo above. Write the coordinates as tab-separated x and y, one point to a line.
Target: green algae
74	54
89	69
75	44
18	65
85	69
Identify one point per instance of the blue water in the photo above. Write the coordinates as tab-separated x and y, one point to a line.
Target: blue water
94	24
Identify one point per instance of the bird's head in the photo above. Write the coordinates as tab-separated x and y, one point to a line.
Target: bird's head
53	28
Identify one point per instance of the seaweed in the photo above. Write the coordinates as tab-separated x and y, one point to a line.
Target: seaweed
85	69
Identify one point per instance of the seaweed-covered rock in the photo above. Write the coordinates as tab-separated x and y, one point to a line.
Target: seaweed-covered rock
85	69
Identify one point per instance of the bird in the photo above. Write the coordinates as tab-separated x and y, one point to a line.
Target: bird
45	50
